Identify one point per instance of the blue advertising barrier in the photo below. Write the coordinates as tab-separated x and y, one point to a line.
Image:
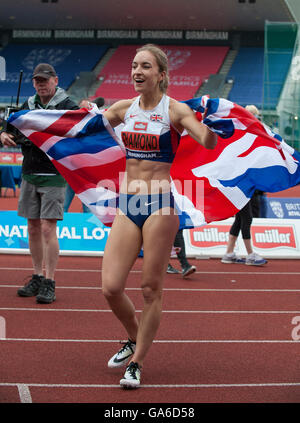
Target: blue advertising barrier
283	208
78	234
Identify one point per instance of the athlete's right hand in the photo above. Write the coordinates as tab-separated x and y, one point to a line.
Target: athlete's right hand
7	139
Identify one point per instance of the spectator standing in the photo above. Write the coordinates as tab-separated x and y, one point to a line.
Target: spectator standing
42	189
242	222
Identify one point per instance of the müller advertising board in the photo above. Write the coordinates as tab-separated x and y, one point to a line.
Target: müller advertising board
84	234
271	238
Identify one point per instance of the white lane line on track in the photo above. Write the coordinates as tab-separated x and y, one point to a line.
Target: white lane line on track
260	273
2	327
200	385
164	311
96	288
24	393
174	341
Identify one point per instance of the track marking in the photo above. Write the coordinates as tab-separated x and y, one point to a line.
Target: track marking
164	311
260	273
24	393
96	288
176	341
2	328
200	385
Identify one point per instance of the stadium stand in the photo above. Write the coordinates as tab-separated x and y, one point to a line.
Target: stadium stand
277	64
68	59
189	66
247	75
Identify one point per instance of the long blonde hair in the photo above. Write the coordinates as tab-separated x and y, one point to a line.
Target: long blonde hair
162	62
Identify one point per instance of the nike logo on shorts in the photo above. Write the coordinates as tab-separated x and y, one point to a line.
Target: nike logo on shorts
152	202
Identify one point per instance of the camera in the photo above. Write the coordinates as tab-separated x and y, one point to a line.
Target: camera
9	110
20	139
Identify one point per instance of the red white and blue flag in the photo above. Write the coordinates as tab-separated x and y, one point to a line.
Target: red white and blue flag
208	185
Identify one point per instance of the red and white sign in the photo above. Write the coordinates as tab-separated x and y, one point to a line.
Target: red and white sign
8	158
267	237
18	158
210	236
271	238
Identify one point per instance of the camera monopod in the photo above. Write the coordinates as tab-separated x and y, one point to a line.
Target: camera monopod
10	109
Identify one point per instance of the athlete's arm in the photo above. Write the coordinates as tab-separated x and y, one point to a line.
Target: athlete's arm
183	117
115	114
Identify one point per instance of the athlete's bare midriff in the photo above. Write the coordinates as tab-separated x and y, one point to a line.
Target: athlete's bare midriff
146	177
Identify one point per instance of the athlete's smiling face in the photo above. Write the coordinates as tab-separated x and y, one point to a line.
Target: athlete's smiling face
145	72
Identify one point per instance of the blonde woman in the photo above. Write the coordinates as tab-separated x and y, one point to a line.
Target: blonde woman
153	123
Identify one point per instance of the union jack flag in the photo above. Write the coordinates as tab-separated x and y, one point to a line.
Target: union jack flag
155	117
208	185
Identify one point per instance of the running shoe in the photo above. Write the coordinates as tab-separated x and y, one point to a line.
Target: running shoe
132	376
232	258
255	259
188	270
46	293
32	287
172	269
121	358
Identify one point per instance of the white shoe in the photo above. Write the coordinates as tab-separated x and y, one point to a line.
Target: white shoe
121	358
232	258
132	376
255	259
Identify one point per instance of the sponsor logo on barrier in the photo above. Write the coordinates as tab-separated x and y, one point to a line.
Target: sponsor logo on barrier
6	158
262	236
18	158
272	237
277	209
11	158
210	236
284	208
21	231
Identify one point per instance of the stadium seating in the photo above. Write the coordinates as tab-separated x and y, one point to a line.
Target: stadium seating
276	69
247	75
68	59
189	66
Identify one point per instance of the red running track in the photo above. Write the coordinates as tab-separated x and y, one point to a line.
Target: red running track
229	334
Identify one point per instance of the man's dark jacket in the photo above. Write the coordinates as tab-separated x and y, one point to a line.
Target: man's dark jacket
35	160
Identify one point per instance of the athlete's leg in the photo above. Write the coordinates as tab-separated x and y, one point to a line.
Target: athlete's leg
158	236
121	250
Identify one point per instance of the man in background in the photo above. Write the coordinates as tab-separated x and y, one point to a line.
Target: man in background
42	189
